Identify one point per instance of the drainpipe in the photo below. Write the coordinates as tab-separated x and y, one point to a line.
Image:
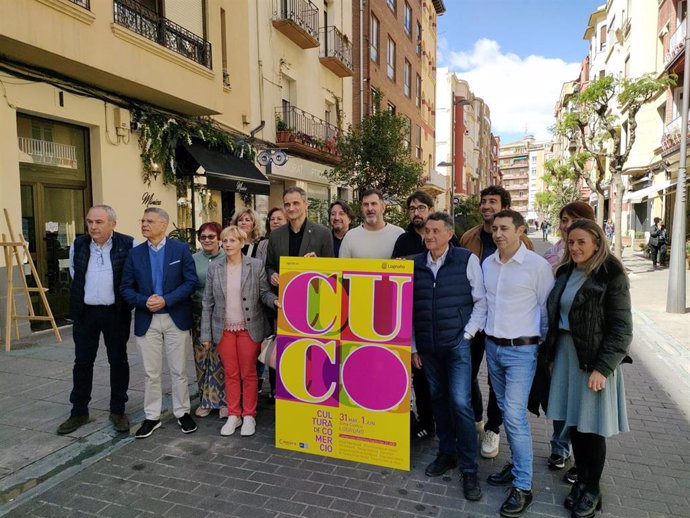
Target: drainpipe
260	69
257	129
361	60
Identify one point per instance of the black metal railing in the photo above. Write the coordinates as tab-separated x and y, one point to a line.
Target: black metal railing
86	4
334	44
303	124
302	12
147	23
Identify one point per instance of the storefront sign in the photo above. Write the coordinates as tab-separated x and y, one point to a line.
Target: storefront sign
343	358
149	198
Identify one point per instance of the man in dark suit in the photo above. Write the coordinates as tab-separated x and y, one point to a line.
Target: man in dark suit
96	307
158	280
299	238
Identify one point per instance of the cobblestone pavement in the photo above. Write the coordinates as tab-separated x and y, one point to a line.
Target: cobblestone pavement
171	474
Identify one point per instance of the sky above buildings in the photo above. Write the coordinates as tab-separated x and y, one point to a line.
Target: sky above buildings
516	55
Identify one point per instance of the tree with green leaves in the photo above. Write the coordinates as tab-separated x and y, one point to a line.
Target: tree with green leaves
375	153
600	111
561	182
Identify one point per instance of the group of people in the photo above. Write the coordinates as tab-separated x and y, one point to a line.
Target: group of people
565	317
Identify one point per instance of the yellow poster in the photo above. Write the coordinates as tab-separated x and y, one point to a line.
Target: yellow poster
343	359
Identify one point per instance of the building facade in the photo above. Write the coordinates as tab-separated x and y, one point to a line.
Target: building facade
78	74
395	55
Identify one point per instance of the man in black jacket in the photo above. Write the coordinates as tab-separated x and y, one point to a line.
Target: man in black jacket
420	205
96	307
655	241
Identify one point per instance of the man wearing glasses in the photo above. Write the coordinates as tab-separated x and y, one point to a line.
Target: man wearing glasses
419	205
158	280
96	263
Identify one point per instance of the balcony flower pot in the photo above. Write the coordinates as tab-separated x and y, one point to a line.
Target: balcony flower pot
284	136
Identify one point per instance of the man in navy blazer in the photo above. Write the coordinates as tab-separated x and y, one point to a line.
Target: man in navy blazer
158	280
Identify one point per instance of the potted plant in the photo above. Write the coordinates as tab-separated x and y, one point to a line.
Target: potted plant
282	130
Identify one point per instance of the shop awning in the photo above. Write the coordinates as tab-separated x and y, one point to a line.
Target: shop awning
647	192
223	171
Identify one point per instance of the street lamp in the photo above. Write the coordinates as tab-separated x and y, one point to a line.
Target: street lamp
457	101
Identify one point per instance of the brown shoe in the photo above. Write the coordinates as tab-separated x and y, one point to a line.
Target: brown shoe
72	424
120	422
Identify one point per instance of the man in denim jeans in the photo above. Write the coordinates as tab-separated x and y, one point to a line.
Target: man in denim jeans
517	282
449	308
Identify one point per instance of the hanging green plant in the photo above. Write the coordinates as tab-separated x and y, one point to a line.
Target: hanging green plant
160	133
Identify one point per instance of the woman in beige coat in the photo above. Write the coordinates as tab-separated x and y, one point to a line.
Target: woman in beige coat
232	319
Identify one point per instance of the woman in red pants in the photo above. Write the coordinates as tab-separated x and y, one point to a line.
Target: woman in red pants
232	320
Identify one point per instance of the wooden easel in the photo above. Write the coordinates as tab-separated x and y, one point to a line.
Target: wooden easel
11	250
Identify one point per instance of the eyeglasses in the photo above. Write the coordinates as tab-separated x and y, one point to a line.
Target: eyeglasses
207	237
418	208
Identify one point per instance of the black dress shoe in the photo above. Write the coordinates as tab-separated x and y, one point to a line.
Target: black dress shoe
503	477
588	505
517	503
442	463
574	496
120	422
470	486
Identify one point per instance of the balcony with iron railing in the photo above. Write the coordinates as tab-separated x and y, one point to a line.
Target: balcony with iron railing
306	134
147	23
670	138
676	44
44	152
298	20
336	52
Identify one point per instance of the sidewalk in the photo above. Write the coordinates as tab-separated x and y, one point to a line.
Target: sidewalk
96	472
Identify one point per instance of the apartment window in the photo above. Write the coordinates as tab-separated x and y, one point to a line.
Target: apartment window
407	78
374	37
418	139
419	38
407	19
391	4
418	91
391	59
391	107
374	104
224	49
626	67
602	37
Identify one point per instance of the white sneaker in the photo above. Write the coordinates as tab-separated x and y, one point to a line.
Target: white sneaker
223	413
490	444
248	427
231	425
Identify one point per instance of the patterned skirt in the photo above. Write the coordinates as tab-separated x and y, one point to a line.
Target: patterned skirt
603	413
209	371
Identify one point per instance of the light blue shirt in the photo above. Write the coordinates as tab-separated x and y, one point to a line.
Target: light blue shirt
98	285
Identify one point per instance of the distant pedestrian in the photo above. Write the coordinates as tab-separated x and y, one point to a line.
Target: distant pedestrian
374	238
590	331
545	226
209	370
97	307
536	224
233	321
158	280
449	308
610	231
654	243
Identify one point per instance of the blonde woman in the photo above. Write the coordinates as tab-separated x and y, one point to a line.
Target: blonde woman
232	320
248	220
